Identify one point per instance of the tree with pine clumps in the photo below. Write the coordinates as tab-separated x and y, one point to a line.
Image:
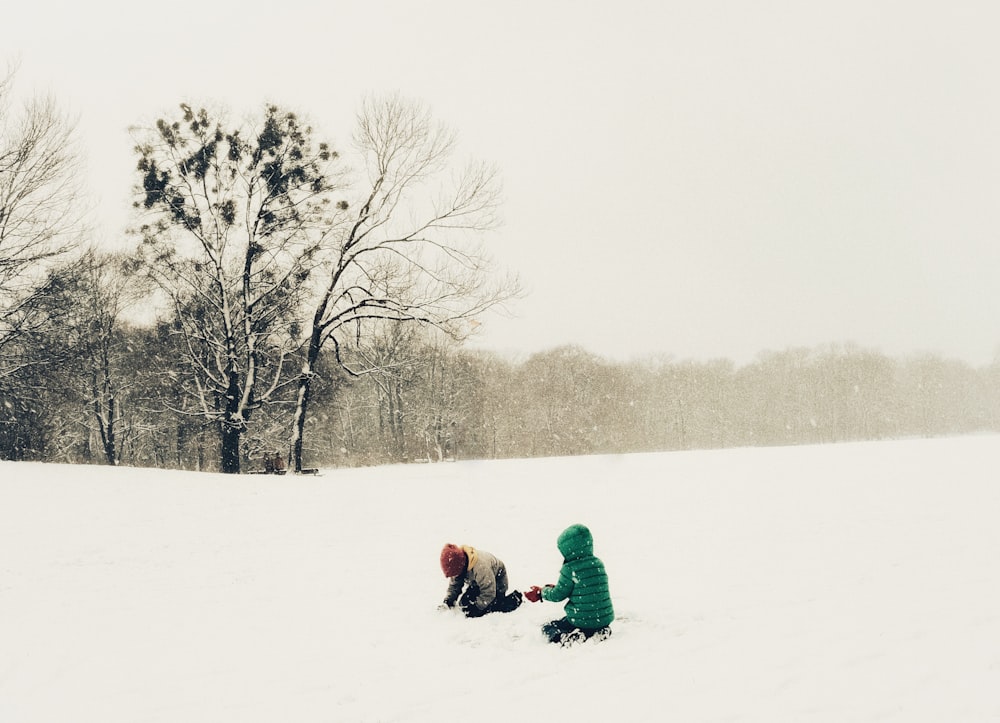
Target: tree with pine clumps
237	217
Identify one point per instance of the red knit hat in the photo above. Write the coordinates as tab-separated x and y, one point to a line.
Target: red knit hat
453	560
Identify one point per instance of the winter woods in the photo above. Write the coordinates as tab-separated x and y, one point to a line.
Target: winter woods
312	301
269	250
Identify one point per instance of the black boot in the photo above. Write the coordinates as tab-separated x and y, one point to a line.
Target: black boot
509	603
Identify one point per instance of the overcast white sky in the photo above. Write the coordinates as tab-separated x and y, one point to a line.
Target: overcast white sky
696	178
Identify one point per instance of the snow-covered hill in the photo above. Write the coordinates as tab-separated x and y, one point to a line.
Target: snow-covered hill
854	582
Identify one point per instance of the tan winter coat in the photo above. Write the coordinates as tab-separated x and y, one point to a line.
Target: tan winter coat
482	571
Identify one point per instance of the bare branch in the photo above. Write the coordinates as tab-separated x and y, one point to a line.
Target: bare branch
40	207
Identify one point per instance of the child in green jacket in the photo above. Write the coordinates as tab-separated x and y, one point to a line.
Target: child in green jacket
584	582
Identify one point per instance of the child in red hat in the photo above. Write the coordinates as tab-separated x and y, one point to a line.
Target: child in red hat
483	578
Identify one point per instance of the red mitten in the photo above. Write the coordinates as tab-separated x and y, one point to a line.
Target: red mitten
534	594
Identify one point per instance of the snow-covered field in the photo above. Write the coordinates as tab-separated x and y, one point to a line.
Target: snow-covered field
856	582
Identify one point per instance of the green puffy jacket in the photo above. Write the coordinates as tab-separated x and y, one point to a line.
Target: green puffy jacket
583	580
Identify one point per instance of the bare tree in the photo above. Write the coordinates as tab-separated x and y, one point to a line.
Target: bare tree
239	218
388	353
40	210
412	250
104	285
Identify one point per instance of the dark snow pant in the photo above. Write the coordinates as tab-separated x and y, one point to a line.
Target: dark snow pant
555	630
503	603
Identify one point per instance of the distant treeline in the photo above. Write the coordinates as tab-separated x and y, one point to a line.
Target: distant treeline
426	398
310	308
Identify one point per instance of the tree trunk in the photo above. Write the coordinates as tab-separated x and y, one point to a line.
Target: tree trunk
302	400
109	435
111	402
231	447
233	424
299	418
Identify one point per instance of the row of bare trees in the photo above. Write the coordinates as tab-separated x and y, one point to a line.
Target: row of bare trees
311	302
122	396
437	401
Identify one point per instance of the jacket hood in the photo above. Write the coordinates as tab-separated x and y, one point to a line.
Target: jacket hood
575	541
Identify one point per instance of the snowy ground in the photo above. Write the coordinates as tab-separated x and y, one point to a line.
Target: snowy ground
837	583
